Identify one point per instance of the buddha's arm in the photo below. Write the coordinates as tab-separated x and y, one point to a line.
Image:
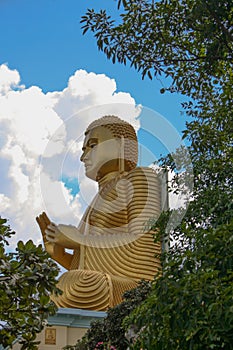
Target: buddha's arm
61	256
121	214
57	251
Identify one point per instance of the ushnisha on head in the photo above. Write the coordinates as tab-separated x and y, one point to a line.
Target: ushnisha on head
110	145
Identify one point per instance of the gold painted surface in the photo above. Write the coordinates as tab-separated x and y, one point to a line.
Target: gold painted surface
50	336
112	251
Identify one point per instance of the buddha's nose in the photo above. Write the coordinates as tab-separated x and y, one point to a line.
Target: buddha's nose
83	156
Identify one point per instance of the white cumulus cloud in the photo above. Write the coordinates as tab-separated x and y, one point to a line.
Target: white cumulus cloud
8	79
41	136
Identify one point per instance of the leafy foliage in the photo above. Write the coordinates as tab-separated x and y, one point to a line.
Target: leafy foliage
190	306
110	332
27	278
186	40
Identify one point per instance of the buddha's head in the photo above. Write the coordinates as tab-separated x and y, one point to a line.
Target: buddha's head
110	145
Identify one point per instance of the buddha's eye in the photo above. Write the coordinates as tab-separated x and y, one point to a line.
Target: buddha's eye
92	145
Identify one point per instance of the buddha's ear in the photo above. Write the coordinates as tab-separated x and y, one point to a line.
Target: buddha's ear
122	155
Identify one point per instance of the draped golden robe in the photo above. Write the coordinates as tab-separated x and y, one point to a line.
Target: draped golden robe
116	249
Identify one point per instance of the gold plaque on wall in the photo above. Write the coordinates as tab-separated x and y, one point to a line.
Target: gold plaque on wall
50	336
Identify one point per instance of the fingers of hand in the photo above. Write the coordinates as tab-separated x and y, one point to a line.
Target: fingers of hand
41	222
50	236
51	233
45	218
51	227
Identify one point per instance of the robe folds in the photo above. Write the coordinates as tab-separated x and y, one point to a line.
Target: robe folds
117	247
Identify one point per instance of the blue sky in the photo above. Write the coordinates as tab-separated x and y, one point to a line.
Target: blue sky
43	40
49	71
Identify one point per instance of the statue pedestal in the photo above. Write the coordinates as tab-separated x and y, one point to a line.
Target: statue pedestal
65	328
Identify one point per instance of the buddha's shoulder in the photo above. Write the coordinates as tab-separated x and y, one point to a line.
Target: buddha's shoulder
144	174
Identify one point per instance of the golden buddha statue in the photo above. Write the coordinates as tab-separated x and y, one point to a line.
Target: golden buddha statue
112	250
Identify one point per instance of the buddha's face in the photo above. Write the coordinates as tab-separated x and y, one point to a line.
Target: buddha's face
100	153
